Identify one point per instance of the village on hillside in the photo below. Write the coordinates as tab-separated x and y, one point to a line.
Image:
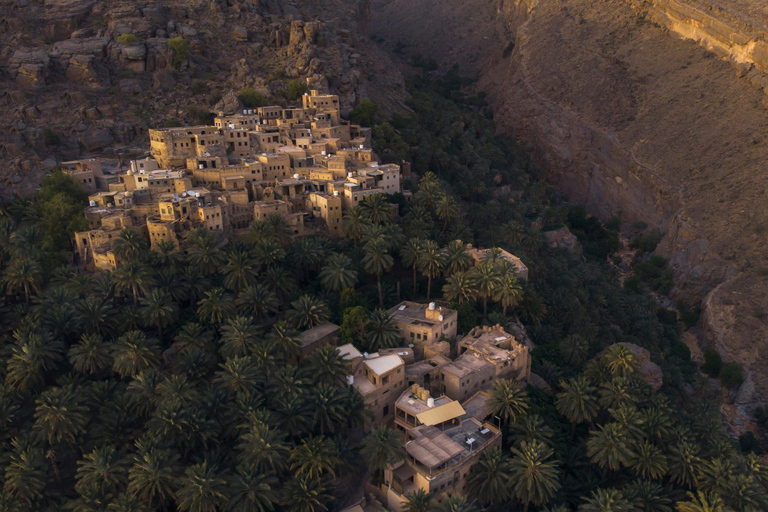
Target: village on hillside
308	165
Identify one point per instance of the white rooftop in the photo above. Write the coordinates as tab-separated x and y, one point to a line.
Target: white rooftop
348	352
384	364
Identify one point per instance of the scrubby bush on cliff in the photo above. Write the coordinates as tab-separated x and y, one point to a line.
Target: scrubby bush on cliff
181	51
732	375
296	90
127	39
200	115
250	98
364	113
713	363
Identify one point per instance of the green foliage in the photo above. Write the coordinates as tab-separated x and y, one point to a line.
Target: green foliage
250	98
732	375
364	113
59	204
181	51
127	39
748	443
295	90
656	273
597	241
199	87
50	137
647	242
713	362
214	98
200	116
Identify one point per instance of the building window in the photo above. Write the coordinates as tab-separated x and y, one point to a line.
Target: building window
385	412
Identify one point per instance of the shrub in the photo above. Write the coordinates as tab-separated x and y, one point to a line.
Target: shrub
633	283
761	415
732	375
681	351
364	113
171	123
296	90
127	39
50	137
214	98
200	115
181	51
250	98
647	242
748	443
713	363
198	86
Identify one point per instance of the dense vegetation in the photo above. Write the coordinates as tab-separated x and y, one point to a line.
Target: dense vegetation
176	382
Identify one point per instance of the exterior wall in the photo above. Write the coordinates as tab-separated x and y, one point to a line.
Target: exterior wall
381	400
263	208
160	231
275	166
85	180
479	377
328	208
211	217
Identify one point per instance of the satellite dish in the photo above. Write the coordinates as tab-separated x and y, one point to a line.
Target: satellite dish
440	317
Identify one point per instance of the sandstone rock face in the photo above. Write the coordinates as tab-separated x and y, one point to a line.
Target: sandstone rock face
650	371
563	239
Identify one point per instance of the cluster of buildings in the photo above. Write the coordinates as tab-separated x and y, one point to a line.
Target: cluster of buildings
304	163
433	391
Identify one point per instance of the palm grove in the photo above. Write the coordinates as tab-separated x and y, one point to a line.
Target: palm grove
176	382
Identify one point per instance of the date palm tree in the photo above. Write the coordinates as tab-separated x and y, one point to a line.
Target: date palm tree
307	312
32	356
648	461
534	476
238	337
201	489
489	478
508	400
279	228
238	375
508	291
154	474
284	341
418	501
409	256
268	253
305	494
257	300
240	270
91	355
456	258
262	449
607	500
486	277
216	306
684	463
252	491
382	331
377	261
460	288
430	262
132	277
621	360
609	448
315	457
129	245
530	427
94	314
701	502
203	253
133	353
61	414
455	503
25	473
446	209
574	349
337	275
381	447
377	208
326	367
103	472
157	310
353	224
329	406
23	275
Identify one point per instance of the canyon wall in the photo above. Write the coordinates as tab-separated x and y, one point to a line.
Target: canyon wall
630	118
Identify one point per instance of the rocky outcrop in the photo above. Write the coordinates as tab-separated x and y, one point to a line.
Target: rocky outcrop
94	76
562	238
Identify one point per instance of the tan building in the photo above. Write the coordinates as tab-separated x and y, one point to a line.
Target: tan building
275	166
320	102
316	337
441	442
171	147
498	253
328	208
467	375
83	173
424	324
510	359
380	379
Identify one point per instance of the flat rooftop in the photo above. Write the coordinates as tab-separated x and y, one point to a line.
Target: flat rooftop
348	352
432	448
383	364
318	332
415	405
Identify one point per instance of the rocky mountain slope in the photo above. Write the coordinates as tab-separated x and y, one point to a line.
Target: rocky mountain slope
632	119
80	77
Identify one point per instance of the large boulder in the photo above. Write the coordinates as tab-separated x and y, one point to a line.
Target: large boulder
650	371
563	239
95	139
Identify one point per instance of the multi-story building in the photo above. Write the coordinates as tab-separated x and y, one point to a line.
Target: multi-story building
494	345
441	444
424	324
380	379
